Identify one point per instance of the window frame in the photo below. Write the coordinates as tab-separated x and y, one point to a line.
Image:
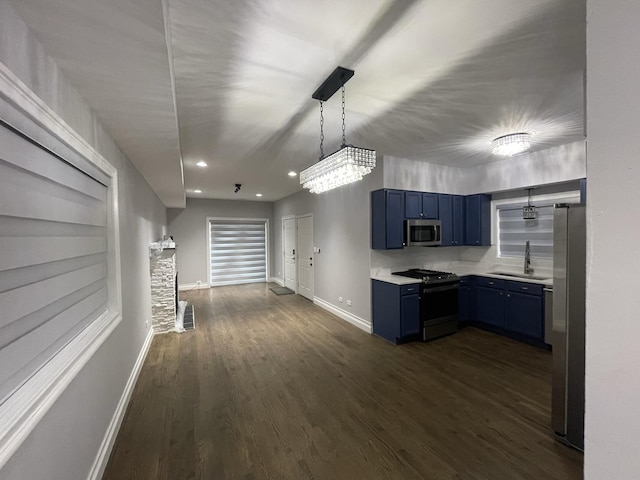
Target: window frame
26	113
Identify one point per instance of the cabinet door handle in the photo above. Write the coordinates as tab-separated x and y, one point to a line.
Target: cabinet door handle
525	288
500	293
490	283
410	289
509	295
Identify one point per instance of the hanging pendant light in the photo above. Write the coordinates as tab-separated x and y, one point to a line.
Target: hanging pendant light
529	211
349	164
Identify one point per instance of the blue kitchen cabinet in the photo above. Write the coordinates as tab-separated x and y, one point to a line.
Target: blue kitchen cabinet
395	311
387	219
524	309
420	205
451	214
523	314
513	308
478	220
458	220
409	315
490	307
467	299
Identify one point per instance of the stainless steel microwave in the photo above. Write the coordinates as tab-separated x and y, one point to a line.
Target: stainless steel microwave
422	233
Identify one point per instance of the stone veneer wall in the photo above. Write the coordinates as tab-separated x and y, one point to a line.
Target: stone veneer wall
163	291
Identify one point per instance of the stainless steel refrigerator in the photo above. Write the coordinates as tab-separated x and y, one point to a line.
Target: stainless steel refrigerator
568	336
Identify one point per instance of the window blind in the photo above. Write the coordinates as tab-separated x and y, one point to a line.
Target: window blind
53	256
514	231
238	252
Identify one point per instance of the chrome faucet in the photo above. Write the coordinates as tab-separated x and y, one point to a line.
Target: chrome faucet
527	259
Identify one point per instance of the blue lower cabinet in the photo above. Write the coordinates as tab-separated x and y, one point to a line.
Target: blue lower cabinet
512	307
395	311
467	299
463	303
409	315
524	314
490	306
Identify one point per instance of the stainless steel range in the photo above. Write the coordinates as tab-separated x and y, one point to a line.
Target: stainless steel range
438	301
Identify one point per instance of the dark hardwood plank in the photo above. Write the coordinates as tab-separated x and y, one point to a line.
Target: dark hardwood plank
272	387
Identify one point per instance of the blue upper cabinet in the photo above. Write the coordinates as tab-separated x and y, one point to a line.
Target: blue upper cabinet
445	213
478	220
387	219
420	205
451	214
458	220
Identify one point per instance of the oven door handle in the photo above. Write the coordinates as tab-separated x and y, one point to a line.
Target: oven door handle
440	289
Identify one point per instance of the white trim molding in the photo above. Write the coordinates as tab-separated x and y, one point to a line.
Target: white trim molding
100	462
193	286
277	280
28	114
361	323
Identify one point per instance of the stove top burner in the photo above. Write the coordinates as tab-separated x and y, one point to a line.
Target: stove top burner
428	276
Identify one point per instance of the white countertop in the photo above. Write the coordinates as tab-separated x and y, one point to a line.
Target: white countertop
462	271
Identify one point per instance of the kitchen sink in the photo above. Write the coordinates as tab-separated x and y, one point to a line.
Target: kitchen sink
520	275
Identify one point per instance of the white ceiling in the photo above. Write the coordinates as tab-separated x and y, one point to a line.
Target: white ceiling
230	83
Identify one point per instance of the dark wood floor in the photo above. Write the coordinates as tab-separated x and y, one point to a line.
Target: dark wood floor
272	387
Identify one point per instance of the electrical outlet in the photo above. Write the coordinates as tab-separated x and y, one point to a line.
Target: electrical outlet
146	323
348	303
340	299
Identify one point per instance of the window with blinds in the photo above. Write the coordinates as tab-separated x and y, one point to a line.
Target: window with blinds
53	256
238	251
514	231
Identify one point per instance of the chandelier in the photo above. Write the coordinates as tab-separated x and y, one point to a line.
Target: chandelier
347	165
512	144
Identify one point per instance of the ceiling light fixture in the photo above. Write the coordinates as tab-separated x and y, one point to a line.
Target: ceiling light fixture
197	191
258	194
349	164
201	163
292	173
512	144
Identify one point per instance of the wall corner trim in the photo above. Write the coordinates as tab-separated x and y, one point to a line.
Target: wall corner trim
100	462
361	323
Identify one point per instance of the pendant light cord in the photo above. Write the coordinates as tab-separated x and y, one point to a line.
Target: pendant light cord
344	137
321	132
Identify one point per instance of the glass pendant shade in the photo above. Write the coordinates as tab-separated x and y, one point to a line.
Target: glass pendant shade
347	165
510	145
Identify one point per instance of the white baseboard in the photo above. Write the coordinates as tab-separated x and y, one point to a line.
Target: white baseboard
192	286
361	323
277	280
100	463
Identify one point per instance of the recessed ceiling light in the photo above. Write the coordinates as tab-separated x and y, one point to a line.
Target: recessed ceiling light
201	163
258	194
197	191
292	173
512	144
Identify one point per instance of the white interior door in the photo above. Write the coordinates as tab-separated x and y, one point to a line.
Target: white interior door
305	256
289	253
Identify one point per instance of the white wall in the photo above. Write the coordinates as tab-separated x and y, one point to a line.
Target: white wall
65	443
553	165
188	226
342	232
612	421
